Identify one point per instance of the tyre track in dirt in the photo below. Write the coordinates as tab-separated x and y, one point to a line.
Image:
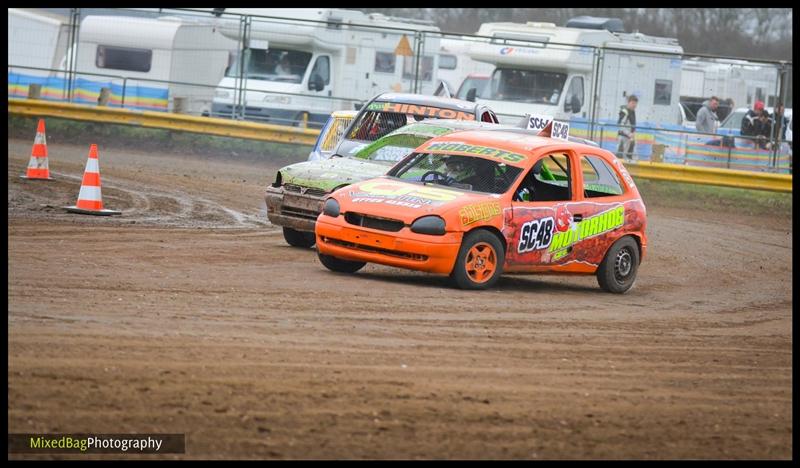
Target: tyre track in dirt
254	350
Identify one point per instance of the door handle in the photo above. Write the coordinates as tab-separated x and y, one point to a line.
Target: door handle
577	217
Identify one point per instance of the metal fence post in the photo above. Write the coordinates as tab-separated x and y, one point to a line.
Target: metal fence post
124	86
598	58
729	157
418	39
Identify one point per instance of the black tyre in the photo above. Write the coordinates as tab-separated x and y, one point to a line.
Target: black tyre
617	272
299	238
339	265
480	261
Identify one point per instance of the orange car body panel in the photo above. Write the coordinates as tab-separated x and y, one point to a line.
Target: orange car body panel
573	246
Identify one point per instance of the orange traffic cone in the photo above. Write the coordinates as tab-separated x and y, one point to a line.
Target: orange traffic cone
37	166
90	198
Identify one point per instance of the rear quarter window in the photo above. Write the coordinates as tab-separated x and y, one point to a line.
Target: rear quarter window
599	178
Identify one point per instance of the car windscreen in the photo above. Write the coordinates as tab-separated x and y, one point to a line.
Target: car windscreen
382	118
734	120
392	147
529	86
287	66
457	171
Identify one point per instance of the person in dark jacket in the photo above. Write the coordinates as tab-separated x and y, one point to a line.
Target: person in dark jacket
627	128
750	120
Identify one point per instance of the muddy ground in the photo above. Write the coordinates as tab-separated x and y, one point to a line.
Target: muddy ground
189	314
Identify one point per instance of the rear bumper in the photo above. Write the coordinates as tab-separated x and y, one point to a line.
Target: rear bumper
292	210
403	249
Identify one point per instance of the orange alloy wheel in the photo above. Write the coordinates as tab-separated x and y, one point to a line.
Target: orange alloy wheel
481	262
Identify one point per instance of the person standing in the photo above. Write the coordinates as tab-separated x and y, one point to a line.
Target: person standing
627	128
750	120
780	121
707	120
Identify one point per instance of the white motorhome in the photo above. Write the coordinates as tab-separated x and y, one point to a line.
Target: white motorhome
455	64
126	53
546	77
36	39
741	81
303	64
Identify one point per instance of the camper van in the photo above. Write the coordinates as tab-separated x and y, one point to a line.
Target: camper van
554	74
455	65
36	39
37	42
738	80
122	54
302	64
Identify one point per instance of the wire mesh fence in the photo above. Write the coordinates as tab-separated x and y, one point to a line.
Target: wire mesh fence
297	66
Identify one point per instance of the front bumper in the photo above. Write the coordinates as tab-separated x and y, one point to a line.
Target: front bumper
293	210
403	249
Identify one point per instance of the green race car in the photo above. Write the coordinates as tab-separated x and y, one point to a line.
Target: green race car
296	197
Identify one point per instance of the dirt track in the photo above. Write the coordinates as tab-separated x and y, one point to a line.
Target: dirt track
189	313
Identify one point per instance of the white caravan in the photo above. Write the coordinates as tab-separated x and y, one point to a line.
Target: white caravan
302	64
742	81
127	52
36	39
551	79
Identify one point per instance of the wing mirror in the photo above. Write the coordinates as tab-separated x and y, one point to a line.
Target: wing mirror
471	94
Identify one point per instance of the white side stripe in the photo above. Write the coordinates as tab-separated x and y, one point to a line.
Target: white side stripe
92	165
90	193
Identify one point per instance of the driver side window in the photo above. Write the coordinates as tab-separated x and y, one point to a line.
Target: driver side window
548	180
322	67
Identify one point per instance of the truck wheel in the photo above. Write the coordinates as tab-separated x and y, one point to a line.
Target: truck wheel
617	272
299	238
480	261
339	265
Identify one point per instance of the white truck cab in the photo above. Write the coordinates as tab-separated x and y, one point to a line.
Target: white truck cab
555	74
298	72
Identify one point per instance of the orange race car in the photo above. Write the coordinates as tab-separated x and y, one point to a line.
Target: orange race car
476	204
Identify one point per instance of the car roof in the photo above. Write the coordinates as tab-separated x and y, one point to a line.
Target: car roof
420	99
418	128
512	140
344	113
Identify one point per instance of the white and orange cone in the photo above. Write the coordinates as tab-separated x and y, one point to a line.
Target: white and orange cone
90	198
38	169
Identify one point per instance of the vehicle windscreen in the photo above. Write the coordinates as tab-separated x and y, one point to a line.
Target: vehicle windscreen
529	86
478	83
287	66
734	120
392	147
382	118
457	171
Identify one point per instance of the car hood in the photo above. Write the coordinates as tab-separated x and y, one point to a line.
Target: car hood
328	174
387	197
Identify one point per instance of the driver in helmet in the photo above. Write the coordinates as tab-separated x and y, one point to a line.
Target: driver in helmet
459	168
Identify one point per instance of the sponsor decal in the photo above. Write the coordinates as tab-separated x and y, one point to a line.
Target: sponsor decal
589	227
478	212
517	50
624	172
424	111
391	193
536	234
477	150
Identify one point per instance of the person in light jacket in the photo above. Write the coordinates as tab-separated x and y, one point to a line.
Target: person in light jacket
707	120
